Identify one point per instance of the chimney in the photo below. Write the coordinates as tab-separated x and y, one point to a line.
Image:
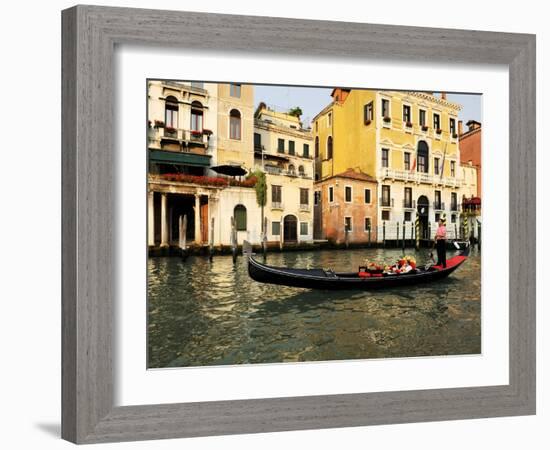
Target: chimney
443	96
460	127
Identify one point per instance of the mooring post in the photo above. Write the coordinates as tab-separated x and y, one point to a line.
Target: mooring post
466	231
397	240
346	236
456	233
281	233
182	222
384	233
233	240
403	240
368	229
479	236
417	232
211	247
264	238
429	231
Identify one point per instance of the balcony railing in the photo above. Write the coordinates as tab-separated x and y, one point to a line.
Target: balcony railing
386	202
180	135
409	204
421	177
304	207
439	206
454	207
276	205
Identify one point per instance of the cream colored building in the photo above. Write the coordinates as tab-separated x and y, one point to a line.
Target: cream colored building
283	150
194	130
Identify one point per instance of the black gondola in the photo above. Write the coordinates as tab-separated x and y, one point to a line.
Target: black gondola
327	279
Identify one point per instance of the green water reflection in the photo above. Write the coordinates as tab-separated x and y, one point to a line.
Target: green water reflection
211	313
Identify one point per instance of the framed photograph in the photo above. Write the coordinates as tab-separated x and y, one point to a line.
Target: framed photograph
266	230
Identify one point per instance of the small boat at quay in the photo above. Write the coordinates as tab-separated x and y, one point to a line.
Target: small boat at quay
330	280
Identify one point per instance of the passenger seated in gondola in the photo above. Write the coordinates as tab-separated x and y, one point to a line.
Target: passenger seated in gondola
404	265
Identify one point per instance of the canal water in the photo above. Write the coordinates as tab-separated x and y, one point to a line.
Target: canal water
203	313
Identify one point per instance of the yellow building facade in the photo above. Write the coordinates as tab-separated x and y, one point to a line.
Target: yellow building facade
408	141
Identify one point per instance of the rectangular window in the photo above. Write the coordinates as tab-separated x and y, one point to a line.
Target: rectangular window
281	145
305	153
406	113
385	215
240	218
453	202
452	126
304	196
316	197
437	216
437	123
367	195
436	166
452	168
385	109
329	119
171	118
437	201
235	90
407	217
331	194
291	148
275	228
368	113
347	223
385	195
276	194
453	218
422	167
408	197
407	161
385	157
367	224
257	142
347	194
303	228
422	117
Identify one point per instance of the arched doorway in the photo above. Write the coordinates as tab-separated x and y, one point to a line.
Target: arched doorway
423	211
290	228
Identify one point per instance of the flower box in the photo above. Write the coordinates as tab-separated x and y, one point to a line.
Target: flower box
387	119
170	130
207	132
455	135
424	127
368	122
196	133
438	131
408	124
159	124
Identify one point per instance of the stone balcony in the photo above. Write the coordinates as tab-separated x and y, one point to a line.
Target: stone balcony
420	177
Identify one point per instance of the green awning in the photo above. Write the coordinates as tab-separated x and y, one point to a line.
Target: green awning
179	158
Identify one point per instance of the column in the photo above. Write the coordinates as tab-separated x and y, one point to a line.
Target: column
163	220
198	237
150	218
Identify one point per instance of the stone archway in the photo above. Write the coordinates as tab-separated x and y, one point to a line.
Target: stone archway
423	212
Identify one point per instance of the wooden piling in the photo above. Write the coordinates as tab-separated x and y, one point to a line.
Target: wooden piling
403	239
417	232
264	238
182	241
384	233
211	246
233	240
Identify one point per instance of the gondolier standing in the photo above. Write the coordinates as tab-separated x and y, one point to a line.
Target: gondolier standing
441	243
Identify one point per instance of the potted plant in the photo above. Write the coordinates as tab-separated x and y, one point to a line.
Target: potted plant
438	131
207	132
368	122
170	130
455	135
387	119
408	124
159	124
196	133
424	127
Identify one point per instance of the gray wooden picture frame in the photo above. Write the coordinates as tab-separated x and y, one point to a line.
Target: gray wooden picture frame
90	34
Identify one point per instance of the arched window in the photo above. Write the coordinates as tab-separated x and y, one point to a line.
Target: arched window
291	169
235	124
196	116
171	112
329	147
240	217
301	170
422	154
316	145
